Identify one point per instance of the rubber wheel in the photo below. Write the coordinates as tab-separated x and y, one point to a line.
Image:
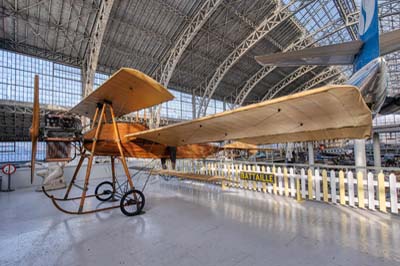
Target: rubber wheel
128	204
104	191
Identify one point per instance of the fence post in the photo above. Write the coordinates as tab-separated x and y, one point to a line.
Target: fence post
341	188
255	185
280	180
317	185
292	187
213	168
298	193
360	191
264	185
303	182
286	181
371	191
381	192
325	185
269	185
310	185
333	186
274	184
393	194
350	187
245	183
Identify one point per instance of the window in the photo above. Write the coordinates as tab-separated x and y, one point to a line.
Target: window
61	85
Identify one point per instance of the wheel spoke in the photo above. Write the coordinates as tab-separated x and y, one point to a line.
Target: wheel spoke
132	202
104	191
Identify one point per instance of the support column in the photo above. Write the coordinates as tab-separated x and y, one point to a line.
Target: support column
359	155
377	150
194	105
310	154
93	50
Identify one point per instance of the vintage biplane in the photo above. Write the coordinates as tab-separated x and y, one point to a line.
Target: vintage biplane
331	112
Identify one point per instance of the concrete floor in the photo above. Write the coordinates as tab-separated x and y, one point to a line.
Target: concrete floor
195	224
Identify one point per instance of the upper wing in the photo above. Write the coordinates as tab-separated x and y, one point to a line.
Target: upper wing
330	112
335	54
128	90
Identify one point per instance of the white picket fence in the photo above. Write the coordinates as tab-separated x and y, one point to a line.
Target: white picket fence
372	189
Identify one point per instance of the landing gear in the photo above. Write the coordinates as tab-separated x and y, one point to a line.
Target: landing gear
104	191
132	202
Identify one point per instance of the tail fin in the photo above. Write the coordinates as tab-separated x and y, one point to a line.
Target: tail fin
369	34
358	52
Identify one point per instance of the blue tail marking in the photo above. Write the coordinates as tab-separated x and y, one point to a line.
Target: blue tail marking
369	34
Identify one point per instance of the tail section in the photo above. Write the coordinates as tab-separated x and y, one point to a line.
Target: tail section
357	53
369	34
335	54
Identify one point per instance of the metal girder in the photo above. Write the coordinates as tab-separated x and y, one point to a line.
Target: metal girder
340	79
325	75
251	24
280	15
186	37
389	8
23	14
201	17
345	12
34	23
142	29
287	81
129	54
39	52
251	83
93	50
303	42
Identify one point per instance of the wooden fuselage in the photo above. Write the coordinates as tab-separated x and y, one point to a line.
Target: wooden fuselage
139	148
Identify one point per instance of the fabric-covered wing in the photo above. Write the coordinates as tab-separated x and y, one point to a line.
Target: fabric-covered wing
128	90
335	54
330	112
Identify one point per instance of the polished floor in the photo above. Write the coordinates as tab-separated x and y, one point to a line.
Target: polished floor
195	224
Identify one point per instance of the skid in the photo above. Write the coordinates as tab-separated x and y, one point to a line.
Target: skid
55	203
68	199
81	212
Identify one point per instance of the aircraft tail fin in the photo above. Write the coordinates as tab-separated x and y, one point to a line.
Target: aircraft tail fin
368	34
359	52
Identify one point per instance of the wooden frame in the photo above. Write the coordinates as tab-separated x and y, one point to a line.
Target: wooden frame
97	123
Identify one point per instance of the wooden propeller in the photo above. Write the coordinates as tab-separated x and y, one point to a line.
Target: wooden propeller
34	130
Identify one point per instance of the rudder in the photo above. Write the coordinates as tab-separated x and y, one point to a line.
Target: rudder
368	33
